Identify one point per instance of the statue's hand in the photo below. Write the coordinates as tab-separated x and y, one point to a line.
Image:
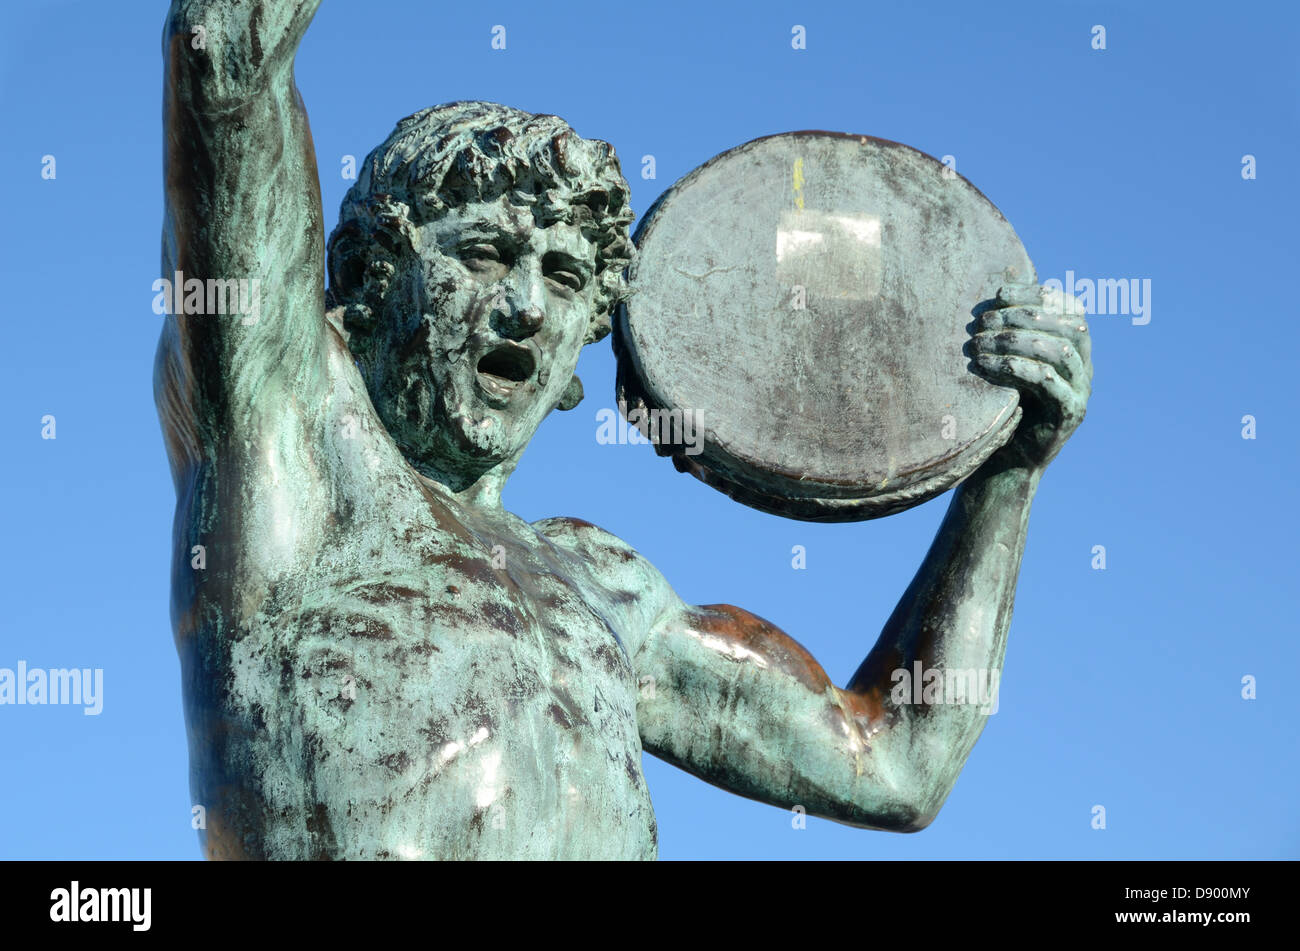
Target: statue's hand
1036	340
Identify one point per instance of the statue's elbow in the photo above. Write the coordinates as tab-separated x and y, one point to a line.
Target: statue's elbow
896	817
917	819
915	810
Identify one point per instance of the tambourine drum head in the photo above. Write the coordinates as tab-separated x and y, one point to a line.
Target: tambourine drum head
799	306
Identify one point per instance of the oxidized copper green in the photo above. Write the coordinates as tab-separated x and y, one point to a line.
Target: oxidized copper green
378	660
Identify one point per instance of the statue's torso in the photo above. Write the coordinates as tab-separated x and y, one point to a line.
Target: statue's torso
408	690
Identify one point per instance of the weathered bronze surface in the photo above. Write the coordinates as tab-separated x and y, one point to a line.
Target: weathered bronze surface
378	660
828	278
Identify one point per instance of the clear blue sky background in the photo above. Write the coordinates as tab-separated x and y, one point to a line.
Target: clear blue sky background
1122	687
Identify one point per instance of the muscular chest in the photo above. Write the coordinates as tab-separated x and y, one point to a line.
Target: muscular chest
466	707
472	623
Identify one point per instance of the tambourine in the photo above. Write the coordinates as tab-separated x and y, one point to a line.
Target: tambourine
795	329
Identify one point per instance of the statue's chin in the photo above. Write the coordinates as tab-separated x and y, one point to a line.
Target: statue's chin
481	438
449	438
459	450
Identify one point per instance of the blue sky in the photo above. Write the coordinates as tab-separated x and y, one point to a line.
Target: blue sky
1122	687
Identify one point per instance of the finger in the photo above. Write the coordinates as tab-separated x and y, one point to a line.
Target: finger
1038	295
1018	295
1070	307
1047	348
1069	326
1054	333
1040	379
1057	301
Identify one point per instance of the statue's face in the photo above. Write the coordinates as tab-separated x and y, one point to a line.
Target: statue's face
479	335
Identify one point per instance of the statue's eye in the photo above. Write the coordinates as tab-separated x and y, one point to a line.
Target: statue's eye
567	278
480	253
563	271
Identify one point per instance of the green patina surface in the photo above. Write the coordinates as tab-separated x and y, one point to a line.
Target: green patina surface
379	661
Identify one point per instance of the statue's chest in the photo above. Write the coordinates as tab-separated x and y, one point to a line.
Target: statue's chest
468	623
472	701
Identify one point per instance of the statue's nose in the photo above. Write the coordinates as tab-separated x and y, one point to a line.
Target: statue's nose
518	321
526	321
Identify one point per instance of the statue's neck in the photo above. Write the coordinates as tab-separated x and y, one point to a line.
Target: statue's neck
472	490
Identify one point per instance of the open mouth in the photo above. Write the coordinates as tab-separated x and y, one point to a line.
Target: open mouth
504	367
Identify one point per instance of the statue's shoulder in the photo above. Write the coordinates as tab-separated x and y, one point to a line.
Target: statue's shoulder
579	535
619	568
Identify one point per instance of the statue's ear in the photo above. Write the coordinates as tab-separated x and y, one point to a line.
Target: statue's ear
572	394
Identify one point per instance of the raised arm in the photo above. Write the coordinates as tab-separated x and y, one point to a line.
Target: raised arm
739	703
242	205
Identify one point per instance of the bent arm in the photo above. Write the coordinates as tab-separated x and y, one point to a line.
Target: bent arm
242	205
740	704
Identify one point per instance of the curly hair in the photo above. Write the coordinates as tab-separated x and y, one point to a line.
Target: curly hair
455	153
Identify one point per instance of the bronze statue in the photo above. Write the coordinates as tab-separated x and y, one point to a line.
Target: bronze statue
379	661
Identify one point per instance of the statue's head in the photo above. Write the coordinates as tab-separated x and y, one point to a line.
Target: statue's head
480	248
